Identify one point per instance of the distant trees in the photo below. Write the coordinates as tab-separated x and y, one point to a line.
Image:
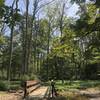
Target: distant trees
49	46
78	39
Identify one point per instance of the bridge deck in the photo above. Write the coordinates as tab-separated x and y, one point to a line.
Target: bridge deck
39	93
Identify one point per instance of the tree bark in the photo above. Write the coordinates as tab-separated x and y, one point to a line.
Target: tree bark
11	43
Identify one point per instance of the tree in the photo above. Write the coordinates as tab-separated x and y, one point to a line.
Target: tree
12	24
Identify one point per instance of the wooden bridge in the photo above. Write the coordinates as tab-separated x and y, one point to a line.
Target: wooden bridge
35	91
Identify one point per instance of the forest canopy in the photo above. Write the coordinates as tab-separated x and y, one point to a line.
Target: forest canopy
46	43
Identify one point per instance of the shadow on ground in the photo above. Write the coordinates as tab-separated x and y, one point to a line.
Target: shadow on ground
58	98
77	97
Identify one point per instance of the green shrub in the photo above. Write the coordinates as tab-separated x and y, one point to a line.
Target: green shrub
32	77
4	85
15	87
25	78
15	82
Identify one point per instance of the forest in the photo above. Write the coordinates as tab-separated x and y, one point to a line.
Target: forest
49	39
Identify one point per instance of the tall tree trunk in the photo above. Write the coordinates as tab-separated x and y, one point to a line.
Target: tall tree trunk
48	46
35	4
27	37
11	43
61	31
25	48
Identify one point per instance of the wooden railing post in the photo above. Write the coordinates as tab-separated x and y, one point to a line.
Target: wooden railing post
25	89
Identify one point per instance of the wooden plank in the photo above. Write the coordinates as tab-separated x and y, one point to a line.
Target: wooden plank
33	88
32	83
39	93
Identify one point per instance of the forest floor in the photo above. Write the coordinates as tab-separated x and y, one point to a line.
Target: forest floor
15	95
78	90
77	94
73	94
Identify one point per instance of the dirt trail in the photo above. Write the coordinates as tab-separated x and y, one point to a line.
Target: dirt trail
91	93
11	96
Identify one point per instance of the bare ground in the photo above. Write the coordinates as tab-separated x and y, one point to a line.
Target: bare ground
18	95
86	94
76	94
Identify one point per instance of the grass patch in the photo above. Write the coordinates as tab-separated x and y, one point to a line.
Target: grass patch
66	95
13	85
4	85
77	85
